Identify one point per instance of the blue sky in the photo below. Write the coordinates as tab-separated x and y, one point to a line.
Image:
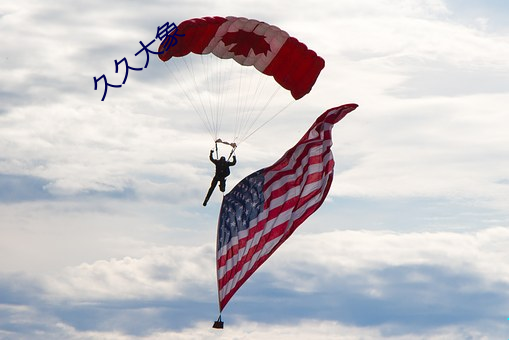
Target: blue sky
102	232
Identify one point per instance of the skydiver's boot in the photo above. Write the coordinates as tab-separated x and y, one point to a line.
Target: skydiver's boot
209	193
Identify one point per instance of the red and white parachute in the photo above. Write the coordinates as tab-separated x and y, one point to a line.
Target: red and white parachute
239	100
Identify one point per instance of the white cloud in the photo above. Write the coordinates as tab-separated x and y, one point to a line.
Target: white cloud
317	329
307	263
437	274
44	237
338	253
445	147
307	329
162	273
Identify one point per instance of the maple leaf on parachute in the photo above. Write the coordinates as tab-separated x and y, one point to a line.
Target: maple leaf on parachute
245	42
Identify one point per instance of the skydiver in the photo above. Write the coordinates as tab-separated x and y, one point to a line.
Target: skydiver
222	171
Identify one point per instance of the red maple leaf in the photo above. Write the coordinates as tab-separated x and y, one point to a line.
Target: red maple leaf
246	41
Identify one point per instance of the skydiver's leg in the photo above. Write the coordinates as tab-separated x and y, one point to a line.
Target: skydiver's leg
222	184
211	189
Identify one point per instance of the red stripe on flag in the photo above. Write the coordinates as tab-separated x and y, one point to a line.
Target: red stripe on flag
315	159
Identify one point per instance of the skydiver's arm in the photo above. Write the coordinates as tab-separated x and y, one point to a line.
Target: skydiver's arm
210	156
234	161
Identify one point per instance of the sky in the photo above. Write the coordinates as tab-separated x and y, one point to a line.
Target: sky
102	231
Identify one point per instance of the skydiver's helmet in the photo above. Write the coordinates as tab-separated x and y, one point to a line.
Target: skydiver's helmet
222	159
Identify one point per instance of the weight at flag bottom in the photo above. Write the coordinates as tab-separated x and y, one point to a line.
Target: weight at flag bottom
266	207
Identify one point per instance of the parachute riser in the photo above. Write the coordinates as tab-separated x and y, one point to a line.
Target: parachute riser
231	153
233	145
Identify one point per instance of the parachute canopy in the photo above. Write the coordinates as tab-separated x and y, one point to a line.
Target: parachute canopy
199	62
251	42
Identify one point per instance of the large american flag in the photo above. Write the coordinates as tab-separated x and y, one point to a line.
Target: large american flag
266	207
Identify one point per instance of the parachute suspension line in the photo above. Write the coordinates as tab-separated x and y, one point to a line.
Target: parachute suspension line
208	83
260	112
236	129
249	102
245	110
191	71
225	87
222	85
268	121
212	85
249	113
240	103
212	70
250	88
224	67
195	108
